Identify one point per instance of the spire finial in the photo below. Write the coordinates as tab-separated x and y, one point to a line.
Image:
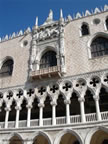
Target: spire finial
36	23
61	13
50	17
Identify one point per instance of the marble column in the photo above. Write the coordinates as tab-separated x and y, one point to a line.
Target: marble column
41	106
18	108
67	102
29	107
7	116
98	114
82	110
53	103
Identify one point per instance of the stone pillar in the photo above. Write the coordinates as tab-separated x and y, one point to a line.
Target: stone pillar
98	114
82	110
7	116
67	102
17	116
33	48
28	114
61	30
41	105
53	112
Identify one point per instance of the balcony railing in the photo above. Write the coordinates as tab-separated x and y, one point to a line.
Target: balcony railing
59	121
46	72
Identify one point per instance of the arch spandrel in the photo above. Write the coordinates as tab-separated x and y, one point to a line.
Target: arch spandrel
40	133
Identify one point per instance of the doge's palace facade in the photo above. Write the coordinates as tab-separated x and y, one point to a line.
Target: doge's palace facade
54	81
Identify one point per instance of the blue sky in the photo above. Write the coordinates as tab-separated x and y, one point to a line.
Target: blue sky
19	14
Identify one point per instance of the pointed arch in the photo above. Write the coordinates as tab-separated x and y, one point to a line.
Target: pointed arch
85	29
44	134
7	66
14	134
98	45
43	51
93	132
67	131
48	59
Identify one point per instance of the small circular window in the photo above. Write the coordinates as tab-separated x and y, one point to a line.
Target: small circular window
96	21
25	43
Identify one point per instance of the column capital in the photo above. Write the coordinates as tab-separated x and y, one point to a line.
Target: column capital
29	106
53	103
7	109
96	98
41	105
67	101
81	99
18	108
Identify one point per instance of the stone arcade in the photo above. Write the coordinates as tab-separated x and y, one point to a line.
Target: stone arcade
54	81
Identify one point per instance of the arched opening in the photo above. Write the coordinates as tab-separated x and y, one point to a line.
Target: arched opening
35	109
15	140
40	139
84	29
23	112
106	22
99	46
12	113
2	112
69	138
99	137
47	112
61	107
89	103
103	101
74	106
7	68
48	60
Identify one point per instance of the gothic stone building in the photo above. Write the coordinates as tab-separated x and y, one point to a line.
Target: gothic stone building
54	81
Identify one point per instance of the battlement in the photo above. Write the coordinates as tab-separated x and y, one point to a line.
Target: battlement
68	19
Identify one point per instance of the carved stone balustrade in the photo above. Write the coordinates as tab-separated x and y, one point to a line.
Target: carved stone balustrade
46	72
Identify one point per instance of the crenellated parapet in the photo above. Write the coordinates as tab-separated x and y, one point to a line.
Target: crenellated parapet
49	21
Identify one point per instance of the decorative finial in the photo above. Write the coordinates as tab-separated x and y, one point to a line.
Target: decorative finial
50	16
36	23
61	13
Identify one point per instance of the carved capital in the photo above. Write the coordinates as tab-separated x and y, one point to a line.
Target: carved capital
53	103
41	105
67	101
7	109
96	98
81	99
18	108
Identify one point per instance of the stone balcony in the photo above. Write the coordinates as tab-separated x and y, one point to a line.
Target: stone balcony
75	120
46	72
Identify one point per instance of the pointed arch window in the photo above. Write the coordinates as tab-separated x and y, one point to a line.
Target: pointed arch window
106	23
7	68
99	47
84	29
48	60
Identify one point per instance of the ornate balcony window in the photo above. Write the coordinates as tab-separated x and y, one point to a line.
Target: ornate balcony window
48	66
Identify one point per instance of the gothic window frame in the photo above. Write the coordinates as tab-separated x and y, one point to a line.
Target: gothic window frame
96	35
47	63
10	69
86	24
